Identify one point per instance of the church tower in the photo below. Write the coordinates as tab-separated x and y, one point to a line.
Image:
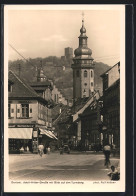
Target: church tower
40	74
83	68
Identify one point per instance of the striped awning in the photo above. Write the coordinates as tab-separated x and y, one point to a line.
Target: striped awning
20	133
47	133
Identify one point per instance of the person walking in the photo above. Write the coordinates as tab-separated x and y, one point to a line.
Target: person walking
107	150
41	149
48	149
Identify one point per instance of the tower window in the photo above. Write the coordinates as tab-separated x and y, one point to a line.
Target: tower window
77	73
85	84
91	74
91	83
85	74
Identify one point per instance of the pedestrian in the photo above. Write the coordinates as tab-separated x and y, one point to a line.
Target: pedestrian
113	149
27	148
40	149
48	149
107	150
114	174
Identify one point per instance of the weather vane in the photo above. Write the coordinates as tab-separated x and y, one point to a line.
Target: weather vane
83	15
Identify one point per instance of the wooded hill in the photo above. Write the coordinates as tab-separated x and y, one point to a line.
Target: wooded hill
57	70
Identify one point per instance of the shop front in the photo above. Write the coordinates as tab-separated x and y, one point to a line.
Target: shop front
20	139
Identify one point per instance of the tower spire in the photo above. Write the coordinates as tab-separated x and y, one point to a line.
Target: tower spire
83	67
83	18
40	76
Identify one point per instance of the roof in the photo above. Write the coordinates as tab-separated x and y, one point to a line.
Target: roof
91	109
79	103
41	84
20	88
109	69
90	100
113	85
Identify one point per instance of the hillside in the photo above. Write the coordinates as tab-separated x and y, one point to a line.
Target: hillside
53	69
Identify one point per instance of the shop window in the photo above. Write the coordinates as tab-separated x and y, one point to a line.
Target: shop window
85	74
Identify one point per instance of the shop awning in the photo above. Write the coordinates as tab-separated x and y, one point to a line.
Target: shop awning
20	133
52	135
47	133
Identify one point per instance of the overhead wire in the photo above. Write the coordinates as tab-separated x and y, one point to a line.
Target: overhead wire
20	54
96	59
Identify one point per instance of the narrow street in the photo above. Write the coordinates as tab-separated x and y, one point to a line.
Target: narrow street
74	166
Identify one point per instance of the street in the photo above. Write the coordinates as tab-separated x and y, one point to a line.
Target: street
53	166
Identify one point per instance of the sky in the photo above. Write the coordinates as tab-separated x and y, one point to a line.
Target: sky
42	33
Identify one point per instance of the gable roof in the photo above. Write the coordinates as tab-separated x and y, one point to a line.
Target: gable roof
88	102
110	69
20	88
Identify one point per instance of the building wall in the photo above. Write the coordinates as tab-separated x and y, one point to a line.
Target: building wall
83	82
57	97
87	82
113	75
111	114
90	127
47	95
16	118
111	105
77	83
37	113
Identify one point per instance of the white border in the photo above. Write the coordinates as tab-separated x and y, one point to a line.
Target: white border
120	185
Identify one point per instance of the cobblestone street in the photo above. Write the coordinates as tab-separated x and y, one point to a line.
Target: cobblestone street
74	166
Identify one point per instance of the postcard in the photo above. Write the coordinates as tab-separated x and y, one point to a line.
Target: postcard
64	98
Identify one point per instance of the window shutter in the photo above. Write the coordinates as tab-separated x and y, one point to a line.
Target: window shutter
30	110
12	112
19	110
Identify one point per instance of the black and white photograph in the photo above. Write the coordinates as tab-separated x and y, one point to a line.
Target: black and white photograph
64	98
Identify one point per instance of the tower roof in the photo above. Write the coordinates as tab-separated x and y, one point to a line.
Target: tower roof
83	29
83	48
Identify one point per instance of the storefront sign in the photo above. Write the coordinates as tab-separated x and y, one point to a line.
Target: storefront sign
20	126
24	126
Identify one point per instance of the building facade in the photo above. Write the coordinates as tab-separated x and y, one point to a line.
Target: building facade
27	114
91	137
111	105
57	96
83	68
